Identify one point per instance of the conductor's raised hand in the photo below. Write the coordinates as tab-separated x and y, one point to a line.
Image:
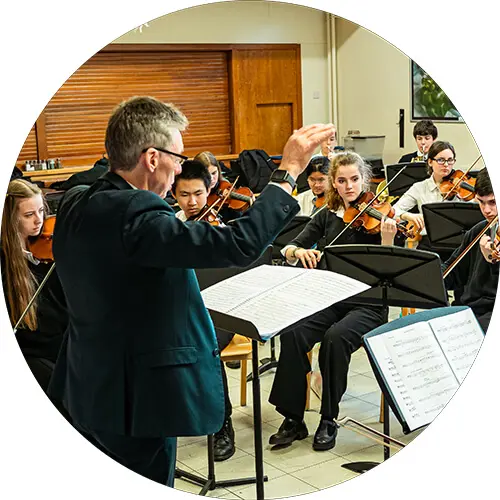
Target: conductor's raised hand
301	146
308	258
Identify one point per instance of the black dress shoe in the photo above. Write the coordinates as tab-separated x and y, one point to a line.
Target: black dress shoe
325	436
224	442
289	431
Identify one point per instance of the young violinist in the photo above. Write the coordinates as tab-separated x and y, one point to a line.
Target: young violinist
424	133
340	327
476	274
210	161
40	334
440	161
312	200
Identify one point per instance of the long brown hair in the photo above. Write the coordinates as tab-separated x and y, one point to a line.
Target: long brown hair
209	160
333	199
20	284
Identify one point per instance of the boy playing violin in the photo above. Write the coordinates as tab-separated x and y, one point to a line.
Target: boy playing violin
477	272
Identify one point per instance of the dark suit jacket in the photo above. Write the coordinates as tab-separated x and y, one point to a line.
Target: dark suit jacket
140	356
408	157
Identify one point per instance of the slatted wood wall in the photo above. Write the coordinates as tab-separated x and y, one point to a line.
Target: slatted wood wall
198	79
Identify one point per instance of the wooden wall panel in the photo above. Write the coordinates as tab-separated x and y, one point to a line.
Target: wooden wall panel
268	93
29	149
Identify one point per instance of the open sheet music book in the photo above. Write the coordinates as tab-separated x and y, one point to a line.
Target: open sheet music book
422	365
275	297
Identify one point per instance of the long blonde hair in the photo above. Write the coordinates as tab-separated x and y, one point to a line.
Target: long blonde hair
333	199
20	284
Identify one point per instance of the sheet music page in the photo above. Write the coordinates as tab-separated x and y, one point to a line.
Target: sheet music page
425	373
274	297
460	337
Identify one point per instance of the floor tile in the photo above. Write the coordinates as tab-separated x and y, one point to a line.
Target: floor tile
326	474
241	467
281	487
195	455
357	408
357	385
297	456
245	438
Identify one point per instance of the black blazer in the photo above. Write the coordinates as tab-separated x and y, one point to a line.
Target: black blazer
407	158
140	356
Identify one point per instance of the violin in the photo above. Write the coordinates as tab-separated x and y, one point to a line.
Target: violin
210	215
495	244
459	184
320	201
239	199
372	217
41	246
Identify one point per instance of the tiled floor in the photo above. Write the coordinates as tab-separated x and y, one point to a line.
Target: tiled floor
297	469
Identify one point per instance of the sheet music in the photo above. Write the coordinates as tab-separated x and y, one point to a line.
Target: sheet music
426	377
274	297
460	337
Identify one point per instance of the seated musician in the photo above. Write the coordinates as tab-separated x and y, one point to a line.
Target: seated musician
477	272
210	161
340	327
313	199
41	332
440	161
424	133
191	191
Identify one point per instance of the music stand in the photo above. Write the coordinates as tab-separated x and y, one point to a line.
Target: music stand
398	277
206	278
446	223
414	172
289	233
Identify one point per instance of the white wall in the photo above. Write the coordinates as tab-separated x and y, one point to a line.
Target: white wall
253	22
373	84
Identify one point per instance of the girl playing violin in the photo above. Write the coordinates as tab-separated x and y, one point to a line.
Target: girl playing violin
440	161
340	327
41	333
314	199
217	183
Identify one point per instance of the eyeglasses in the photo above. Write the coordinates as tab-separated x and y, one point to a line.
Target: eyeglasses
181	159
442	161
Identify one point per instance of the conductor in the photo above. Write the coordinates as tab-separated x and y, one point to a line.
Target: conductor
139	365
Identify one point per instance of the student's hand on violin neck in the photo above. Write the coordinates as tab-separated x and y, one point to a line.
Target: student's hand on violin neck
301	146
417	219
489	249
388	231
309	258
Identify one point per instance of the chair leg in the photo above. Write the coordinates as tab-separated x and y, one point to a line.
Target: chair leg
243	383
308	392
382	413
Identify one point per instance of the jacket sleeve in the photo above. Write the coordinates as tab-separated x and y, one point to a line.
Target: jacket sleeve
153	237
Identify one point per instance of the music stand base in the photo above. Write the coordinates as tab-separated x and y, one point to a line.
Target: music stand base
360	467
209	484
266	365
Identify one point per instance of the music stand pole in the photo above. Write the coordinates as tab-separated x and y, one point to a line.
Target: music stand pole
400	277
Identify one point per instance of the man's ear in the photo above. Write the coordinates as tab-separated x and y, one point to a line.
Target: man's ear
150	159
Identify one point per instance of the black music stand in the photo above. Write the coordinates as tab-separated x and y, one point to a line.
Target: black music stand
398	277
446	223
414	172
206	278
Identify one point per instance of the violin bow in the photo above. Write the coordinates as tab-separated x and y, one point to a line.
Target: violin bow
445	196
361	212
227	195
471	244
35	295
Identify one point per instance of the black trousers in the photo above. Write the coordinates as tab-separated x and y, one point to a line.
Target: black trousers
339	328
223	340
153	458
